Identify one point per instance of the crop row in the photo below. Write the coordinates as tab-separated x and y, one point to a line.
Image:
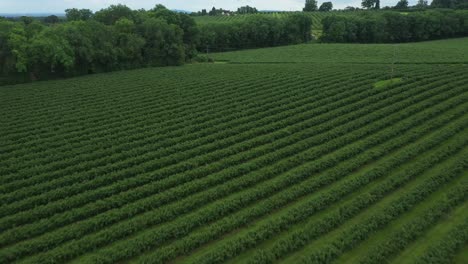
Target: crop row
78	141
191	91
211	155
399	239
171	129
128	227
355	234
240	243
443	250
230	142
151	188
306	187
313	229
203	137
198	91
182	133
76	133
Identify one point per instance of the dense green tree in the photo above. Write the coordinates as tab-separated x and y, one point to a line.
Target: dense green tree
12	47
129	44
51	19
247	10
26	20
33	28
402	4
213	11
326	6
298	28
395	27
164	43
81	37
310	6
184	22
370	4
74	14
334	29
443	3
120	38
422	4
256	31
113	13
48	52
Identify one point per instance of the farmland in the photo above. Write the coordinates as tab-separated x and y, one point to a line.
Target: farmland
313	153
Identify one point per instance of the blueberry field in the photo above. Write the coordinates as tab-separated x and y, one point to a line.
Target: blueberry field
330	153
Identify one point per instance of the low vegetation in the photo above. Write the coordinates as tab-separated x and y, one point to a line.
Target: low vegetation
279	155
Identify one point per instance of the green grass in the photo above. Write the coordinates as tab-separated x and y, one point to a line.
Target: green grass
210	163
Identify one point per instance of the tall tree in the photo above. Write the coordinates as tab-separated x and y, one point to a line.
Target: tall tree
74	14
113	13
310	6
444	3
247	10
326	6
51	19
402	4
422	4
371	4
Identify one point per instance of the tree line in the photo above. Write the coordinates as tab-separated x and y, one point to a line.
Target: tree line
255	31
118	38
224	12
393	27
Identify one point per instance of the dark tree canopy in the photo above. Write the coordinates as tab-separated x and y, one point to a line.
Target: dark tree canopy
422	4
118	38
326	6
75	14
51	19
458	4
247	10
113	13
402	4
310	6
395	27
371	4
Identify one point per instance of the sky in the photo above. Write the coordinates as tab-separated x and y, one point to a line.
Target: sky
58	6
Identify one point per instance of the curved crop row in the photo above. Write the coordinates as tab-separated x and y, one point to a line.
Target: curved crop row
152	217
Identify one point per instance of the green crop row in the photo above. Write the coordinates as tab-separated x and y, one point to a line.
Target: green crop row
443	250
350	237
418	226
234	247
301	189
128	227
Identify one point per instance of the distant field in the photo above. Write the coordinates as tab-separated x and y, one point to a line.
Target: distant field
302	154
442	51
315	16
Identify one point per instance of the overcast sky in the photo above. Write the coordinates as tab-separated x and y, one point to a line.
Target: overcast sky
58	6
